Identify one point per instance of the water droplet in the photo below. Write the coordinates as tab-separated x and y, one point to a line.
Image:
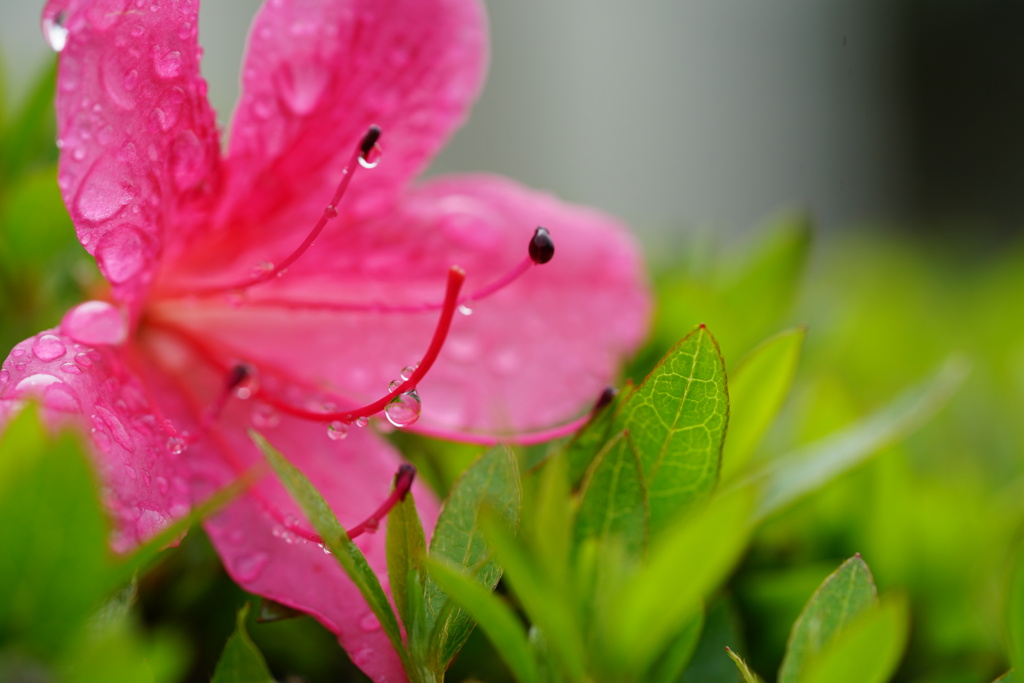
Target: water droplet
464	309
369	622
5	378
337	430
120	254
262	268
407	371
70	368
106	416
18	352
392	385
176	445
48	347
371	162
265	417
331	211
95	323
327	551
301	87
404	410
362	656
362	421
188	160
58	396
168	65
106	190
55	32
83	359
249	567
35	383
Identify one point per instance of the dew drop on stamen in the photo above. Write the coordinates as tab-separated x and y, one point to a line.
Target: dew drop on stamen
362	421
262	268
55	32
392	385
366	163
404	410
337	430
407	371
465	309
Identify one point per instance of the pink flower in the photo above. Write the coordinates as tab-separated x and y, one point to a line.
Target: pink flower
187	236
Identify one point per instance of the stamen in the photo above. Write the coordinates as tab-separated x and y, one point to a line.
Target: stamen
540	250
403	482
268	271
456	277
236	377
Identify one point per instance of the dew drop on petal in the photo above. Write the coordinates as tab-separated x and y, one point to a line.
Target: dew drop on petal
404	410
362	657
48	347
168	65
5	378
59	397
70	368
249	567
95	323
35	383
83	359
55	32
105	191
369	622
176	445
265	417
337	430
120	254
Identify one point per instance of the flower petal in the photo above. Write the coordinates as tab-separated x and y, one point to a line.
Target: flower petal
317	74
532	355
94	388
139	145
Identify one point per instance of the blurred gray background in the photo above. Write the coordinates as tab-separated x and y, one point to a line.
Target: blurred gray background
682	114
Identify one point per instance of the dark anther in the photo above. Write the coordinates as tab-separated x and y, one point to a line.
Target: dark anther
606	397
238	374
369	140
542	248
403	480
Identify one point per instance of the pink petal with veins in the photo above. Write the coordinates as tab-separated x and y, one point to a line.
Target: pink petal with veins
138	141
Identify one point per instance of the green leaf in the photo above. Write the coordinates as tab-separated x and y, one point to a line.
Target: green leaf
337	541
686	562
591	438
494	616
788	478
55	568
721	630
547	605
757	388
675	657
241	661
29	137
1016	613
748	675
677	419
1008	677
614	500
846	593
406	552
867	651
491	481
122	652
